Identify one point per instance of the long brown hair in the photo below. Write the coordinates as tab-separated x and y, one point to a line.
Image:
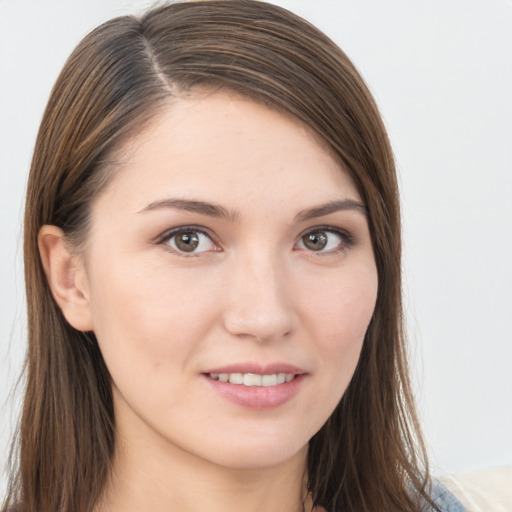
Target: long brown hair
369	455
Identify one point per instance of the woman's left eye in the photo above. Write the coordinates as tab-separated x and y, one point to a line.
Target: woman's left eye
324	240
190	241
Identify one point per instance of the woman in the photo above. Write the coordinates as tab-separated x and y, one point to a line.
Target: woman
212	258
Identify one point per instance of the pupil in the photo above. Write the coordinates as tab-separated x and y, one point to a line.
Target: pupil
187	242
315	241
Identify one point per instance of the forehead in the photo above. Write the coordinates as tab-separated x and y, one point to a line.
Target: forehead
227	148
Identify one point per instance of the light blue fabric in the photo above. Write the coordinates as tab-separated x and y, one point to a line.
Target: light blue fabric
445	500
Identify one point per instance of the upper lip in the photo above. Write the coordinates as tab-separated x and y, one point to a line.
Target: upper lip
258	369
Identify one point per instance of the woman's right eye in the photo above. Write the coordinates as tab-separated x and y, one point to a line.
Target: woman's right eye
190	241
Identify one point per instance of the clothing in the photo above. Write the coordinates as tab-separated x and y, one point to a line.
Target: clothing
446	501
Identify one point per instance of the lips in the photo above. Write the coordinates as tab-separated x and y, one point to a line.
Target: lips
256	387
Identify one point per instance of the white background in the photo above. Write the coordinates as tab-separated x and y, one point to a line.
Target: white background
441	72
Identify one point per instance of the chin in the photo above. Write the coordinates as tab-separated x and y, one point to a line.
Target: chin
253	457
257	447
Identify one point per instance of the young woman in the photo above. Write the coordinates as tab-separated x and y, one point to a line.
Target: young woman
212	259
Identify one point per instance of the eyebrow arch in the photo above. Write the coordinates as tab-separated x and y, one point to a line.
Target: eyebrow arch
331	207
214	210
201	207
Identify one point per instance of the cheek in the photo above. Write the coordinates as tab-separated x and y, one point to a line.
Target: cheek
338	315
335	312
147	317
341	307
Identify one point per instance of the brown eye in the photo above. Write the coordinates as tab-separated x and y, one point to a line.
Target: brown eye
315	241
190	241
187	242
324	240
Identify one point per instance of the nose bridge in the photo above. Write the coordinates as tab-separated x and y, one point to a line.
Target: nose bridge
259	305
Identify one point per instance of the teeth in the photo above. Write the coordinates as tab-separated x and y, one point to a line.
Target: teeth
269	380
253	379
236	378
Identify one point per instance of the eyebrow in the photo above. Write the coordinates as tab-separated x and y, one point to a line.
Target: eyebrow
331	207
214	210
201	207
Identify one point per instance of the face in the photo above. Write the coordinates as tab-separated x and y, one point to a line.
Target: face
230	279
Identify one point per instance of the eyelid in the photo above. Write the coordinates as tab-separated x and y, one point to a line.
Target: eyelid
348	240
165	235
169	233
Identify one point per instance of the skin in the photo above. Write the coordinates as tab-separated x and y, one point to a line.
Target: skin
252	292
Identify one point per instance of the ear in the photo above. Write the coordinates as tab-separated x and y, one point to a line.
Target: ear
66	277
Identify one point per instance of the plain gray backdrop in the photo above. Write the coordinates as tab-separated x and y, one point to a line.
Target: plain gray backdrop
441	72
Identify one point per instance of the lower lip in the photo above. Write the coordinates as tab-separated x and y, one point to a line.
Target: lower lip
257	397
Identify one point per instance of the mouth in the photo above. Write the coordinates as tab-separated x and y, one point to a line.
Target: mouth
257	386
253	379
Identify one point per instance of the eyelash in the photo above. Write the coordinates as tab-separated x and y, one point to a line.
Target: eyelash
347	240
166	237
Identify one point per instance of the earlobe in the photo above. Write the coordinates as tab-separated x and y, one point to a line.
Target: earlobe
66	277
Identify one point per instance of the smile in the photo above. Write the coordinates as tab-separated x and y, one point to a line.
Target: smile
255	386
253	379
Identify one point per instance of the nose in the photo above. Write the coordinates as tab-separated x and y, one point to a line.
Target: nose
259	305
